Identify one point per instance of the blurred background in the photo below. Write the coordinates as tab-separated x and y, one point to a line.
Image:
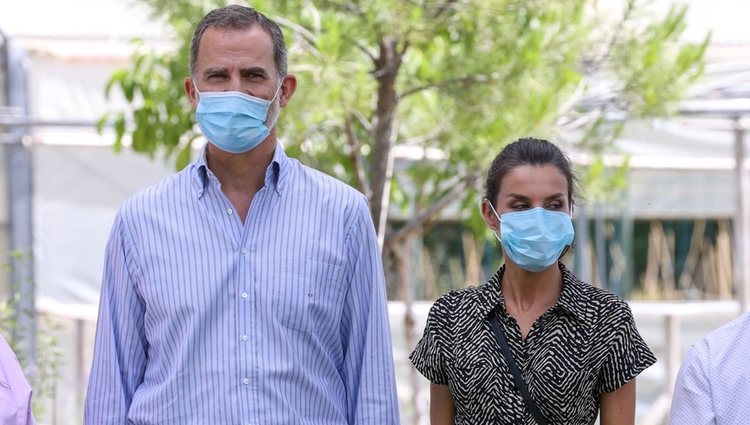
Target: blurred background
408	102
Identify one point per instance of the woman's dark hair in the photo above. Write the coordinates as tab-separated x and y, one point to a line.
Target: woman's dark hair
529	151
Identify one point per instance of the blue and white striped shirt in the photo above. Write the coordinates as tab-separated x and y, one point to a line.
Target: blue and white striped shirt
280	320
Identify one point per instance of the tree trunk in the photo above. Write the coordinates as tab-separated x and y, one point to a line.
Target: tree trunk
401	258
381	168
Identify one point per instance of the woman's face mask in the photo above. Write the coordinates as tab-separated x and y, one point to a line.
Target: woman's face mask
534	239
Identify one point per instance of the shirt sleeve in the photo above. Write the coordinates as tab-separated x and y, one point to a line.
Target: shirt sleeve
691	400
29	412
427	356
628	353
368	370
15	392
119	358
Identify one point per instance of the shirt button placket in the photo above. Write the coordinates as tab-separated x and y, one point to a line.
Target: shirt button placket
245	296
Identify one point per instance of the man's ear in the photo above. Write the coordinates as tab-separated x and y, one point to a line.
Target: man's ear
192	94
288	87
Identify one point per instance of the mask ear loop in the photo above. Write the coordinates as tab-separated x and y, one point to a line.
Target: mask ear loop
271	123
493	209
278	89
483	200
195	87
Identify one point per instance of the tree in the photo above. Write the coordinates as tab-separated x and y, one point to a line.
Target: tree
453	80
460	78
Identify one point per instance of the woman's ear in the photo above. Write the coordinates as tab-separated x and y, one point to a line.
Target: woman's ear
489	215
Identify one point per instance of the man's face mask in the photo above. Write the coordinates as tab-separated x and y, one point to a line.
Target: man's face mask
233	121
534	239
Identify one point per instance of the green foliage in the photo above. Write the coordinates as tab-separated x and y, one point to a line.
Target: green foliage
472	75
654	71
42	370
159	119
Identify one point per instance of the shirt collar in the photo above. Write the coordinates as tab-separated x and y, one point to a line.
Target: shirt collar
572	298
276	173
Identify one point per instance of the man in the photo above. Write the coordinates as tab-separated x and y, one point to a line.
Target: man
714	381
248	288
15	392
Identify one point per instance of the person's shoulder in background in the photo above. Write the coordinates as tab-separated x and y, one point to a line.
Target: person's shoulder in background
15	392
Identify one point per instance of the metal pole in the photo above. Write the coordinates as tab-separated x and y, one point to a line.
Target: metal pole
742	219
600	246
19	176
582	244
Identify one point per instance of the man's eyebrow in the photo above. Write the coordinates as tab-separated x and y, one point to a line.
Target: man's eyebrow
255	70
214	71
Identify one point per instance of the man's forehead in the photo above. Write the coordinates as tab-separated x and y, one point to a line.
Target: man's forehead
245	48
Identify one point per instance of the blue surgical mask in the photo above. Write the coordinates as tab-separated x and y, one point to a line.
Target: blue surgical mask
534	239
233	121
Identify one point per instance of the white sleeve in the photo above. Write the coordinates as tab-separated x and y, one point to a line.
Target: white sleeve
692	401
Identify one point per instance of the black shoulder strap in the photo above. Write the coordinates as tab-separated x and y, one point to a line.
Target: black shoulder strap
517	377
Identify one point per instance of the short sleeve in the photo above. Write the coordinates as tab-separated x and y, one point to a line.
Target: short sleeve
691	400
428	356
628	355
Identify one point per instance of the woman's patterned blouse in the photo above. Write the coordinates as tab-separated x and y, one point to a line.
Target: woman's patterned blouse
584	345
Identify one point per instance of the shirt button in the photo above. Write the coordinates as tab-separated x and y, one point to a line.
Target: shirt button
229	211
244	337
246	381
244	295
244	251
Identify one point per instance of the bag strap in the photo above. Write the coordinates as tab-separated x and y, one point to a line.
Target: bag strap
517	377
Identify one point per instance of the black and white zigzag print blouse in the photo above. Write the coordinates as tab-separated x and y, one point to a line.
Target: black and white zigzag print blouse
584	345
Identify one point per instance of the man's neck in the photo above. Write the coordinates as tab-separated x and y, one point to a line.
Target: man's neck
241	175
241	169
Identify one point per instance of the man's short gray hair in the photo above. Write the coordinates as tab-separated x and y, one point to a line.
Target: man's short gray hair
236	17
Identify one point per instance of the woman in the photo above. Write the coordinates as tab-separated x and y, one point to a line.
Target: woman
576	347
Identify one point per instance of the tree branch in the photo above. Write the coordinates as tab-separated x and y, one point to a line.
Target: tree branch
469	79
597	64
424	138
354	144
431	213
442	8
363	121
346	7
364	49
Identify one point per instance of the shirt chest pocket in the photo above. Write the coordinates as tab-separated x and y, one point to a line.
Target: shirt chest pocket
308	295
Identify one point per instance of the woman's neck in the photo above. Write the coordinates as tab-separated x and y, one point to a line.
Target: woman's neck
529	292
